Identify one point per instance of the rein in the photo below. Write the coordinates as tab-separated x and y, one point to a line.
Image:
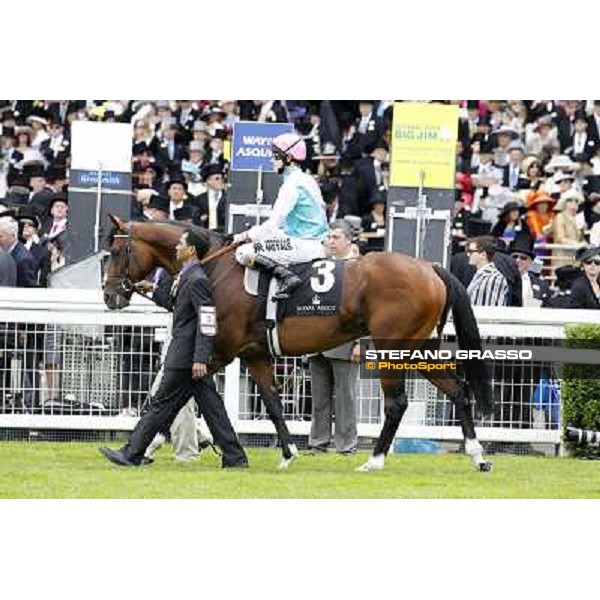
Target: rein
220	252
127	286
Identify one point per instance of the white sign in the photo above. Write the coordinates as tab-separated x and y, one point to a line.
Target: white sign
108	144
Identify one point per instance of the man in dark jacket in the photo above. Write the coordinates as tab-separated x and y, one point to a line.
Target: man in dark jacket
370	174
8	270
565	276
534	290
9	241
186	366
31	225
211	206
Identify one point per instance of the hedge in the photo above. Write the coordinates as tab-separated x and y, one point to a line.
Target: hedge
581	388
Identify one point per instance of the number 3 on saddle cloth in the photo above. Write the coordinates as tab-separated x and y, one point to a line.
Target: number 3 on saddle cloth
319	294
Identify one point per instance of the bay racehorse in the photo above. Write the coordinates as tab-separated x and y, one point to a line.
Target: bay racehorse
387	296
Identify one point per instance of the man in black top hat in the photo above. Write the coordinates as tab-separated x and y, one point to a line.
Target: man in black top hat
41	193
212	205
177	193
186	366
371	174
368	128
593	129
169	151
185	214
56	179
534	290
185	116
565	276
56	149
57	219
30	224
581	146
157	209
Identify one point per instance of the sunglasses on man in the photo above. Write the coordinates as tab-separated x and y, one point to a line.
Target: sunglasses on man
595	262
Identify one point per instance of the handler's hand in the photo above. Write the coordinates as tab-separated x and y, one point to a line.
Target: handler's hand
144	287
355	356
198	370
240	238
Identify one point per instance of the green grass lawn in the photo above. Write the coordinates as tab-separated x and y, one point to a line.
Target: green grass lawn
76	470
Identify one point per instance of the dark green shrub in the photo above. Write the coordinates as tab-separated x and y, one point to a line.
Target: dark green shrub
581	388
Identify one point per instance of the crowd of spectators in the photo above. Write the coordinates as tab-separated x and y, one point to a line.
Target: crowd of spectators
527	173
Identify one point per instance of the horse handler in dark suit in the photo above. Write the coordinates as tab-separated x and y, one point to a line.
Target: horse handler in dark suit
191	349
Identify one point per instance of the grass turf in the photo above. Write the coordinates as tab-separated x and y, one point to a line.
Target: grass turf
76	470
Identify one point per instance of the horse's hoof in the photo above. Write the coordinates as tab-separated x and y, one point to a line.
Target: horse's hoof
286	462
375	463
485	467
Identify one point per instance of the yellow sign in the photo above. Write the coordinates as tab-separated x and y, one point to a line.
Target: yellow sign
423	140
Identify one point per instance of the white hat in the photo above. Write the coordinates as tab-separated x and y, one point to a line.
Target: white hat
563	162
506	130
565	197
563	176
36	119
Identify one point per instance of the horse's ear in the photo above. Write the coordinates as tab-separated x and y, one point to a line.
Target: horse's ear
117	222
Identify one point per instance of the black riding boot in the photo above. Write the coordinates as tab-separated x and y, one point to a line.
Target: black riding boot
288	282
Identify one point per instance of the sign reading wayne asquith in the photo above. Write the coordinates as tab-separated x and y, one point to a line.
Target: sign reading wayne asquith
252	145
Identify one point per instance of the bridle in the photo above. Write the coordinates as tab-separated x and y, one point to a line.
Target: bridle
126	285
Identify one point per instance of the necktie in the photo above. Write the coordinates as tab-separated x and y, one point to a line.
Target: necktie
378	175
175	286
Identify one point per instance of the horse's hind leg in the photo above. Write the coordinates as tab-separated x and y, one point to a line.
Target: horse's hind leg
263	375
455	390
395	405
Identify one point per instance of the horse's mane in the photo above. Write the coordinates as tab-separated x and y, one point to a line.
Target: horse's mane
209	238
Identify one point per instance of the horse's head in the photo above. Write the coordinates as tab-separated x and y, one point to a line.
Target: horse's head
129	261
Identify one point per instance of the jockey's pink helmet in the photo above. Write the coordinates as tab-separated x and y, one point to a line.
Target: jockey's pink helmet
291	145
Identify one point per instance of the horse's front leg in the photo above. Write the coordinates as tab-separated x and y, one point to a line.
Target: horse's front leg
263	374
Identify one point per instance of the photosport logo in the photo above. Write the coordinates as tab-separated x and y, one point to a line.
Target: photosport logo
391	358
381	358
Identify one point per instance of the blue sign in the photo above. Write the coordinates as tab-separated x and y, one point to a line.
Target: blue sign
111	180
251	147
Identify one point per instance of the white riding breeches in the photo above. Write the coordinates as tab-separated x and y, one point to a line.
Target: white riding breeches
282	249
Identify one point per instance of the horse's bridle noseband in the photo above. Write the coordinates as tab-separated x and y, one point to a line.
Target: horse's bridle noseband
126	286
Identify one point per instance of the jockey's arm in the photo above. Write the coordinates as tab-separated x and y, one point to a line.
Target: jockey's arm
284	203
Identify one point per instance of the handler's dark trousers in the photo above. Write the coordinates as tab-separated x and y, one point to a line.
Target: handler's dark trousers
173	393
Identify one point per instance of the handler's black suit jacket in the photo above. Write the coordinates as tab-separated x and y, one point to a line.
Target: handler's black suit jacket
582	294
188	344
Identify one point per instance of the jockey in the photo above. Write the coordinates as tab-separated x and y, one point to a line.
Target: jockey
297	226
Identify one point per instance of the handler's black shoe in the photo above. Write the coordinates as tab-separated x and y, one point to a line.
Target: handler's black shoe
242	464
117	457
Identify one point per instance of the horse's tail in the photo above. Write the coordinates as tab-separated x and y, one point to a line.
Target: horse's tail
467	335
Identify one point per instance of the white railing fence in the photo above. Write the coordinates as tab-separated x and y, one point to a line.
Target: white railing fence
66	362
